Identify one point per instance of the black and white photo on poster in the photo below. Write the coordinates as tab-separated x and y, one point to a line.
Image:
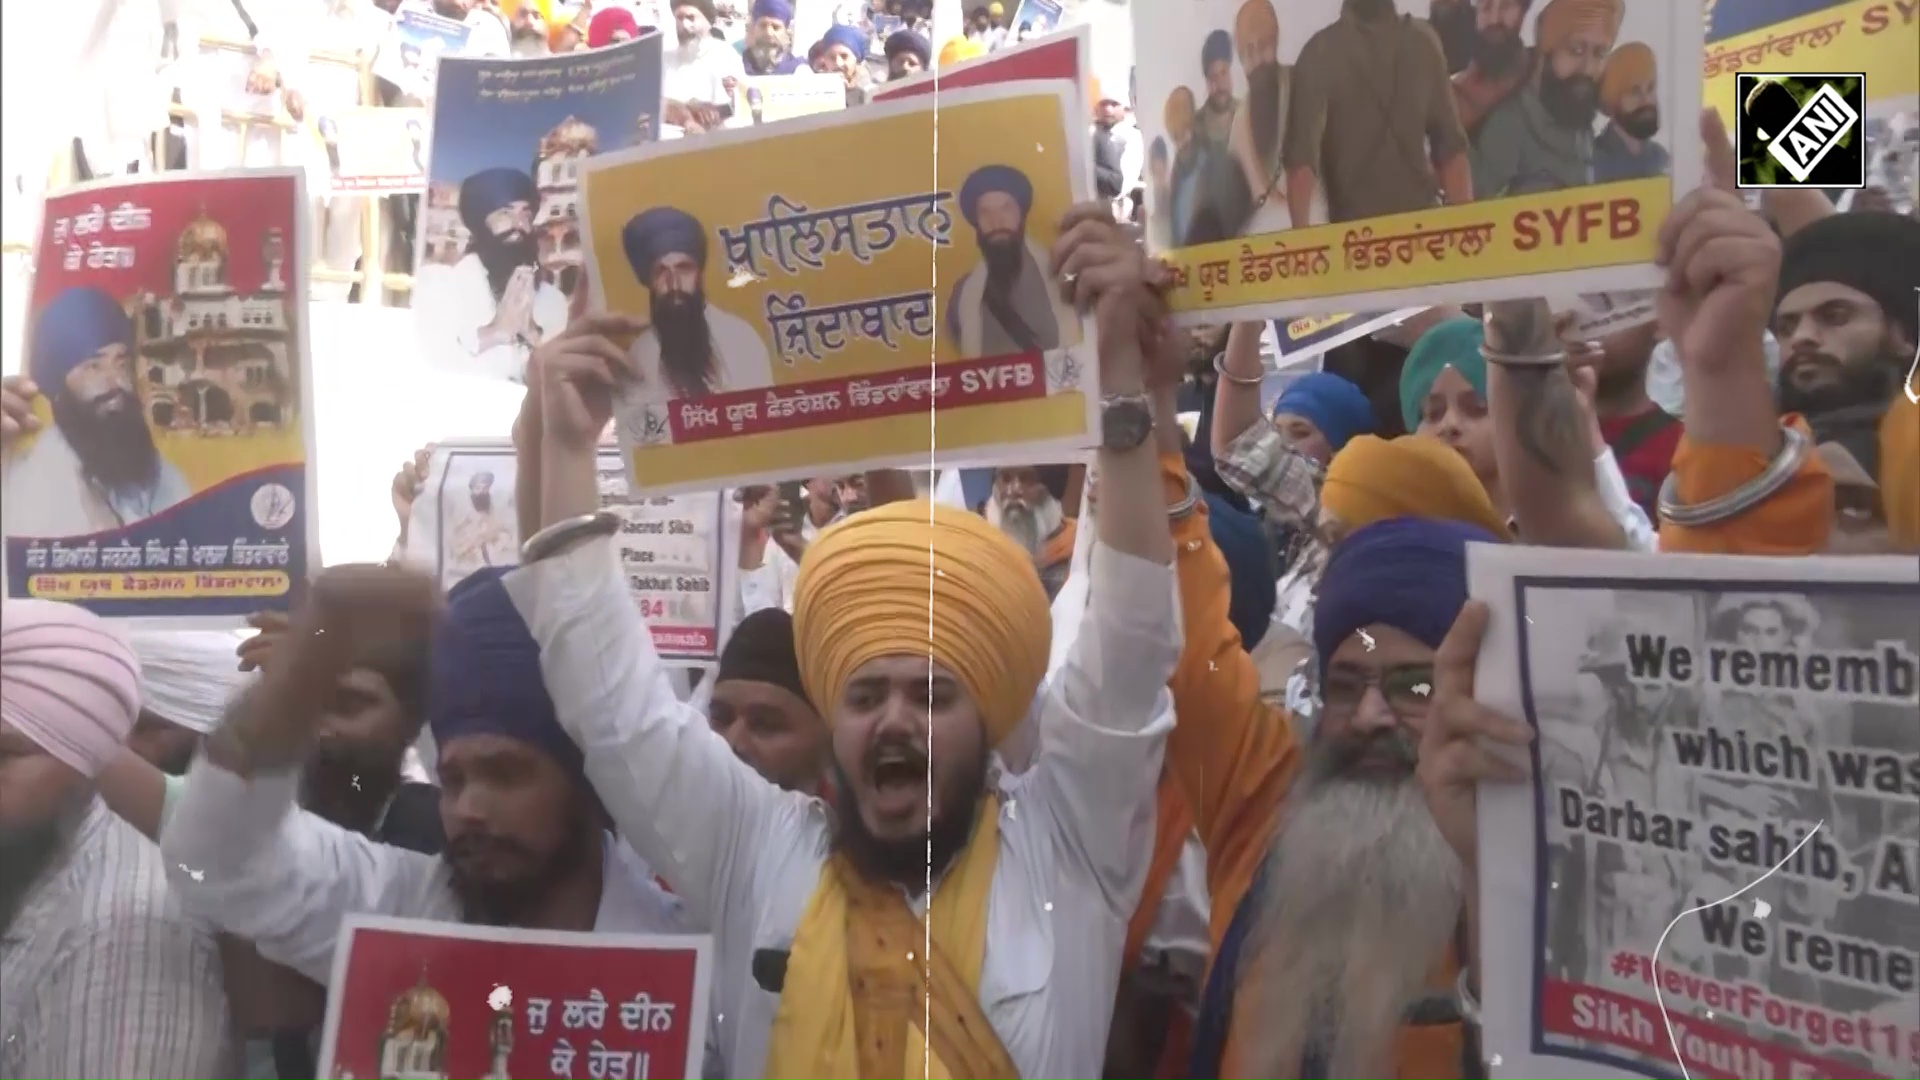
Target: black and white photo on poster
1719	848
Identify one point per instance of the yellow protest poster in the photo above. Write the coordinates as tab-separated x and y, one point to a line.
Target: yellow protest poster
801	322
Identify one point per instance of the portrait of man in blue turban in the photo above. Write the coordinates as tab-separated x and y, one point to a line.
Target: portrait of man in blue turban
486	312
1007	305
692	348
97	468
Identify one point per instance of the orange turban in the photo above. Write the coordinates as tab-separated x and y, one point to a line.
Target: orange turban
1561	18
1372	479
1627	67
1179	111
879	583
1254	18
960	48
1900	469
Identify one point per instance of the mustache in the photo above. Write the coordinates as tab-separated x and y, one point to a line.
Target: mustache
471	845
890	745
1342	755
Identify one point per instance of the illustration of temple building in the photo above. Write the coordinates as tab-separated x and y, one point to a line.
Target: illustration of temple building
414	1046
556	169
446	234
213	362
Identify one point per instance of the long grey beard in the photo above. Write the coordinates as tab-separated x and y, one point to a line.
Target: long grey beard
1361	902
1028	526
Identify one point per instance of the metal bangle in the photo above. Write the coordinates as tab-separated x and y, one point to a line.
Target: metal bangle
1183	509
565	531
1785	464
1526	360
1220	369
1463	997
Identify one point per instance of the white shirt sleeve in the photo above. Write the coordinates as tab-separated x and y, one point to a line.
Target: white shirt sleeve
242	856
1104	721
1612	486
694	812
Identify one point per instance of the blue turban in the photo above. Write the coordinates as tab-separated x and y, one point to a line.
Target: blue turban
654	234
74	325
995	178
1217	50
484	675
771	9
842	34
1452	344
489	190
1337	407
1244	544
906	41
1407	573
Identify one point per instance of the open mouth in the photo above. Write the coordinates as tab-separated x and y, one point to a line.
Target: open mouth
899	777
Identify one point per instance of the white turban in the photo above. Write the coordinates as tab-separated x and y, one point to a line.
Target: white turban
68	682
189	677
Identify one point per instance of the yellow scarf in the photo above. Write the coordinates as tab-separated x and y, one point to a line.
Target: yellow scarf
858	989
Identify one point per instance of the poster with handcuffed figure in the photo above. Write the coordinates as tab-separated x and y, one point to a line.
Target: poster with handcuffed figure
168	478
1714	868
500	266
813	327
1338	155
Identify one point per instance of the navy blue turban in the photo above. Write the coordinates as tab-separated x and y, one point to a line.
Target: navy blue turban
484	676
654	234
906	41
1250	568
987	178
1334	405
1407	573
772	9
1217	50
489	190
850	38
73	326
761	649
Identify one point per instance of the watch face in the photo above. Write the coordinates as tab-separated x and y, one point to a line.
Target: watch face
1125	424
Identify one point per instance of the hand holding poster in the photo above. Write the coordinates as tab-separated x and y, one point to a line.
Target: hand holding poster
415	998
793	333
169	476
1369	154
1717	850
673	550
500	266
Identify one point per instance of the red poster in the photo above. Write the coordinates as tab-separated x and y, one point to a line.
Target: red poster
441	1001
166	335
1056	56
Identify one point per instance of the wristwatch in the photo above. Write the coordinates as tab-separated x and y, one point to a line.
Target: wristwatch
1126	421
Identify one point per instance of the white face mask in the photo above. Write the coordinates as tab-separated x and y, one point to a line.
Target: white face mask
1665	386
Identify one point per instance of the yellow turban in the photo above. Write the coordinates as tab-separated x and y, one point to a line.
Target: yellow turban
864	591
1179	112
1627	67
959	49
1559	20
1372	479
1254	18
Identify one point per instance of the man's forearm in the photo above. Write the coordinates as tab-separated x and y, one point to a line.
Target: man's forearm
1133	511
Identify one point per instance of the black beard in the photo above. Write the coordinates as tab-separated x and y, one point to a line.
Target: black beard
507	903
111	438
1499	53
1848	411
348	779
1571	102
502	254
686	341
906	862
1457	31
27	850
1642	123
1004	255
1263	112
483	503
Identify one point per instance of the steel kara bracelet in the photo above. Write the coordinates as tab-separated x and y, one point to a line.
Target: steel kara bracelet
565	531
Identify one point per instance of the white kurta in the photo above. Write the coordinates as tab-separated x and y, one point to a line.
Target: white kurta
452	303
745	856
699	72
243	857
48	494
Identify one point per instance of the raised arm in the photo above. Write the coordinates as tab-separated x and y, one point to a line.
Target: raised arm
239	853
1100	747
677	793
